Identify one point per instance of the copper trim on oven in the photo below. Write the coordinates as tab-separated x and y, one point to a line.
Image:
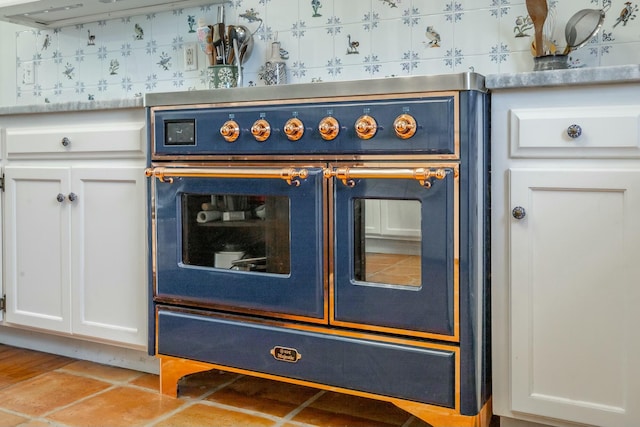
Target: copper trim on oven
420	174
166	174
455	167
312	100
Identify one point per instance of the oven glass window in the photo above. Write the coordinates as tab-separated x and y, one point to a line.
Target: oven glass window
236	232
387	241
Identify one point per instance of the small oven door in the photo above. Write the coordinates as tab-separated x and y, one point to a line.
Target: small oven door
396	255
240	238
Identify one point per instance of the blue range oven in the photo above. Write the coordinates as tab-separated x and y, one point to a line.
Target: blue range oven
330	234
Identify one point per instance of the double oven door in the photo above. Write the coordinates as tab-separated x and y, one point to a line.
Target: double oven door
369	246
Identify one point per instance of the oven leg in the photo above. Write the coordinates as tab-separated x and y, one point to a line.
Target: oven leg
172	369
437	418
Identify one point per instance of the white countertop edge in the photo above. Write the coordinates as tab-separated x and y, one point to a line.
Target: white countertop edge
574	76
72	106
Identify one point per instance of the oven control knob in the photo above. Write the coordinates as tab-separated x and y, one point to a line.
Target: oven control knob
261	130
230	131
405	126
329	128
366	127
294	129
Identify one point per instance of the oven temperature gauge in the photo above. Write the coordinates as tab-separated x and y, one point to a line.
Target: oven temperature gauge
294	129
261	130
329	128
405	126
230	130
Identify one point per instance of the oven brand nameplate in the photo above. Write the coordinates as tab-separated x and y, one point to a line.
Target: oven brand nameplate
286	354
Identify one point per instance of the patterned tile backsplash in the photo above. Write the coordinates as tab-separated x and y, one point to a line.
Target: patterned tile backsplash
320	40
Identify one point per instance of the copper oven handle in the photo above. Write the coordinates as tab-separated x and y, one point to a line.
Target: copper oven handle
423	175
290	175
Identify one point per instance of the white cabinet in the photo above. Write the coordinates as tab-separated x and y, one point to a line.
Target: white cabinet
565	246
37	247
108	250
75	236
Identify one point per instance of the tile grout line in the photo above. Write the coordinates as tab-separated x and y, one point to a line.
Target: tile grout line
300	408
411	419
188	402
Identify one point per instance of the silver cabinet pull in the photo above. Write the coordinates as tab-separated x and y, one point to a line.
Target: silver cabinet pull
574	131
65	142
73	197
60	197
518	212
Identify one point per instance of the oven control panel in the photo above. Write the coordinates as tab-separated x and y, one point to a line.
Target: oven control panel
425	125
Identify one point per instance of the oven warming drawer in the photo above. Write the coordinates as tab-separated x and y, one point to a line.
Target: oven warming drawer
353	363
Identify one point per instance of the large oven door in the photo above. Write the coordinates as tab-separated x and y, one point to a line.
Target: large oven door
245	239
396	250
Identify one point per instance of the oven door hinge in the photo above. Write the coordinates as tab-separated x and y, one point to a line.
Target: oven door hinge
3	303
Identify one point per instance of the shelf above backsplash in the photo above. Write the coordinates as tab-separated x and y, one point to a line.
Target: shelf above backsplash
61	13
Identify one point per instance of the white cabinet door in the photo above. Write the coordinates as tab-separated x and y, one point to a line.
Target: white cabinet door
108	253
37	247
574	295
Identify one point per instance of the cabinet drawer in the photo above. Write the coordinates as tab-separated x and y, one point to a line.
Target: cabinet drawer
605	132
114	139
422	374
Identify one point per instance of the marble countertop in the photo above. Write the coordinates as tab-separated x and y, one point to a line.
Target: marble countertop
574	76
73	106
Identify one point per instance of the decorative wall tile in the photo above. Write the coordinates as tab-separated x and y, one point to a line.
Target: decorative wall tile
322	40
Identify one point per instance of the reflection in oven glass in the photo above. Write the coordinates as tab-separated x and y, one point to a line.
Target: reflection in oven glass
387	236
237	232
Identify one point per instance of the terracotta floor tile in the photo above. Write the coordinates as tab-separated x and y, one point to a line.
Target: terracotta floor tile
200	415
51	390
35	423
121	406
197	384
105	372
18	364
334	409
10	420
262	395
150	381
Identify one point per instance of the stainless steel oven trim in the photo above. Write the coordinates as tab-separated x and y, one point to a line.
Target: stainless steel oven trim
288	93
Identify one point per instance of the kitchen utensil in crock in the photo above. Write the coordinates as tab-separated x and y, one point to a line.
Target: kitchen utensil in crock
582	27
234	51
245	41
549	32
538	10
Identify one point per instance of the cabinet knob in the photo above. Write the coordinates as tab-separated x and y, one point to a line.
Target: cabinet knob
73	197
65	142
518	212
574	131
60	197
